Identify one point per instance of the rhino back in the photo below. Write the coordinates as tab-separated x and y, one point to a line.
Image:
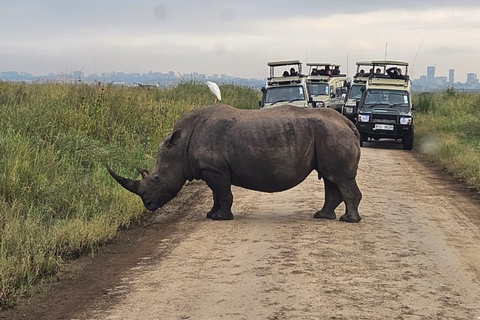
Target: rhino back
266	150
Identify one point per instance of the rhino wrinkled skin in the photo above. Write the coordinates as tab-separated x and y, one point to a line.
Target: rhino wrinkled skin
266	150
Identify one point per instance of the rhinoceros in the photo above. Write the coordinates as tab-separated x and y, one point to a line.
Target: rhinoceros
267	150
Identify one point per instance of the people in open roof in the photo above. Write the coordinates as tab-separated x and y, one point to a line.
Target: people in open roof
395	73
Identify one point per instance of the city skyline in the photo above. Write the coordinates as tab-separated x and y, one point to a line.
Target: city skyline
229	37
431	81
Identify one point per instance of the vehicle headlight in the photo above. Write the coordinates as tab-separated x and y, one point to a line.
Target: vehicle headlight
363	117
320	104
348	110
405	120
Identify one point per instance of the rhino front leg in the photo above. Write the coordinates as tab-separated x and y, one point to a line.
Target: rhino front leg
216	206
221	187
333	198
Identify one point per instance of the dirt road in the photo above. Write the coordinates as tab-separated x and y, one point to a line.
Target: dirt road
415	254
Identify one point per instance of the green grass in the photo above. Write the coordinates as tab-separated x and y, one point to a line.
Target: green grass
447	129
57	201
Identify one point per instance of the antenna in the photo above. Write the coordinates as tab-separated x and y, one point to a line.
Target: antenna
414	59
386	48
347	66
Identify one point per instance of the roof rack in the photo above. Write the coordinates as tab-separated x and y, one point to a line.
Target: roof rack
283	63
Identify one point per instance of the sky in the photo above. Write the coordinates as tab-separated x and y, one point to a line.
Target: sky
237	38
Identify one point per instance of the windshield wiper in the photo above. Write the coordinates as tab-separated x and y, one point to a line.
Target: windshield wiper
277	101
297	99
382	105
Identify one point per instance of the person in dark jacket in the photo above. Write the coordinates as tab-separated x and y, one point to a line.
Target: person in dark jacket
395	73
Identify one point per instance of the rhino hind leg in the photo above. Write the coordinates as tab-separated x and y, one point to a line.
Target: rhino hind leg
222	195
333	198
351	195
215	208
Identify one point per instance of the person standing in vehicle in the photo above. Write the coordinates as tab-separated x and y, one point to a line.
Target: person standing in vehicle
395	73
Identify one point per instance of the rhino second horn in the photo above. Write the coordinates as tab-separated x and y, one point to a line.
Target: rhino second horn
129	184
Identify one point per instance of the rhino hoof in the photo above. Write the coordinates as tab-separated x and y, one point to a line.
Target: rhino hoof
211	213
349	218
325	215
217	216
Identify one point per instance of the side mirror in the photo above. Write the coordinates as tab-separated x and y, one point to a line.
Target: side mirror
332	95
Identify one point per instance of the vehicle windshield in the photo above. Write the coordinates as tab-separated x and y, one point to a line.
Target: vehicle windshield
356	92
386	98
280	94
317	89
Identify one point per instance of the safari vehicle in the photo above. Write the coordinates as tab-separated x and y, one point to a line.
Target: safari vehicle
326	86
355	89
285	85
385	109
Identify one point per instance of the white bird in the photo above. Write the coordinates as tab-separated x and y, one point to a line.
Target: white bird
215	90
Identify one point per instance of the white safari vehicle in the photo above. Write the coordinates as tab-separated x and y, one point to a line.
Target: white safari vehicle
285	85
355	89
326	85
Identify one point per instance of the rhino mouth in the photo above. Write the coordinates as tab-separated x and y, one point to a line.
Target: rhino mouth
152	205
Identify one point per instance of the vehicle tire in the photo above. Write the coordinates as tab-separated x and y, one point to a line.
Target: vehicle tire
363	137
407	141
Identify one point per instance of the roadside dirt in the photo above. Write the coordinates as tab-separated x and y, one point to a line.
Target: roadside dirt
415	255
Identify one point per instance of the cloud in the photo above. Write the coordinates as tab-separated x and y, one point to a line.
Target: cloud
229	36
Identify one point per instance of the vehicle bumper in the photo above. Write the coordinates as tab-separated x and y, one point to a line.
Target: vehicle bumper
370	130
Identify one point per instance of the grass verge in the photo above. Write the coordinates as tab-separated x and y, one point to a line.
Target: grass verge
57	201
447	129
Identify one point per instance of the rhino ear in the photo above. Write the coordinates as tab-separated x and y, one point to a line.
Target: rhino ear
174	137
143	172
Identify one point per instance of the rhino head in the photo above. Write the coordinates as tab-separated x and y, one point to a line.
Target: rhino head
164	181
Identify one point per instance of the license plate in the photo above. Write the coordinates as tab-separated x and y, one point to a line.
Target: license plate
383	127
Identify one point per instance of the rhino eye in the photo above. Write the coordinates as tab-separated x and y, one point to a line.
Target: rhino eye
155	176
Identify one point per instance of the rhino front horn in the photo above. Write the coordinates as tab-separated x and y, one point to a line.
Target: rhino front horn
129	184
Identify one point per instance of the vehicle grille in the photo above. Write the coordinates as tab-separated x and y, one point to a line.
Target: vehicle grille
384	118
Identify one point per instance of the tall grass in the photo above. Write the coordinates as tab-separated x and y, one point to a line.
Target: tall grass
447	129
56	198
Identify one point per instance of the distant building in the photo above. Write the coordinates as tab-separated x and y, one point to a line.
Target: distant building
471	77
78	74
441	81
451	76
430	73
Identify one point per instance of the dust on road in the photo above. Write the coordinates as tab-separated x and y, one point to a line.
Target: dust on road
414	255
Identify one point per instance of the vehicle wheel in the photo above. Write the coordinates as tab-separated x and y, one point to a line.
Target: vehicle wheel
363	137
407	141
